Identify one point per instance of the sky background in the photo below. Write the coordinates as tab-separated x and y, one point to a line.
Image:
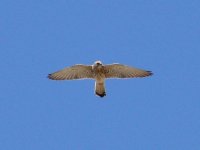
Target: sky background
38	37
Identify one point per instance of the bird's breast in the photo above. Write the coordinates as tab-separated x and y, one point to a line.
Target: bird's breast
99	73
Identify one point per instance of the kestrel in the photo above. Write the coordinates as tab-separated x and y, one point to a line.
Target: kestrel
99	73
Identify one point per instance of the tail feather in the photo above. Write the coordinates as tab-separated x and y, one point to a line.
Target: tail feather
100	89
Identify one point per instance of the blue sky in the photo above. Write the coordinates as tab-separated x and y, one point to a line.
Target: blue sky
157	113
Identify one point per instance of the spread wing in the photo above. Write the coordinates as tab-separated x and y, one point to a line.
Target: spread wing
122	71
71	73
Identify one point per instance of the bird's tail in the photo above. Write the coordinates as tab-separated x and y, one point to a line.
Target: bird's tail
100	89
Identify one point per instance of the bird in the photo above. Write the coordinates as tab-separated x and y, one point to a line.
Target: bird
99	72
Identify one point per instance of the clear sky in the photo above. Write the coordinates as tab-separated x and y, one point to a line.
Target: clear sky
38	37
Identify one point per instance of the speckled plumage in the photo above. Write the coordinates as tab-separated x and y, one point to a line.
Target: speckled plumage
99	73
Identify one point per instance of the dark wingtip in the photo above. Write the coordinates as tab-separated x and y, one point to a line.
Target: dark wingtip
150	73
101	95
49	76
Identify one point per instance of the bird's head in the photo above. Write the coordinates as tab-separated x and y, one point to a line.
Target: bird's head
98	63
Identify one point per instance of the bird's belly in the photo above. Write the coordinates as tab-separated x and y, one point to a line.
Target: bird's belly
100	77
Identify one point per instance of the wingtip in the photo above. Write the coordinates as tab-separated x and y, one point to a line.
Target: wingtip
150	73
49	76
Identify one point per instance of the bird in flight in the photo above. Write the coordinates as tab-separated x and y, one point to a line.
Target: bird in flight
99	73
